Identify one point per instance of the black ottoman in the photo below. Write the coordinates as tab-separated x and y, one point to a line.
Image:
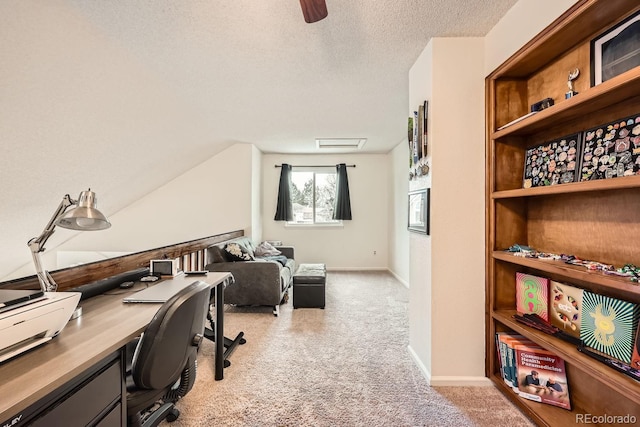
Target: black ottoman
308	286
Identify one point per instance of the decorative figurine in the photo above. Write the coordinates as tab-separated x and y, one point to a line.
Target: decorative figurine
572	76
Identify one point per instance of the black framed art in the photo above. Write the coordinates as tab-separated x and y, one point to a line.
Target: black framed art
554	162
616	50
418	216
612	150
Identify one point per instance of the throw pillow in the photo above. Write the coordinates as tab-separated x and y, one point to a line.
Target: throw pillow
266	249
217	254
236	252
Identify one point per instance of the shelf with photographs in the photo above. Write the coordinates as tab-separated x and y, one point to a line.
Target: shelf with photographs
597	218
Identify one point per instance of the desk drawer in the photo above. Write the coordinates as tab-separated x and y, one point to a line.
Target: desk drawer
84	403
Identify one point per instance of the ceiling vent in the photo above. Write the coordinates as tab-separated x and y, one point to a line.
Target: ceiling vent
340	143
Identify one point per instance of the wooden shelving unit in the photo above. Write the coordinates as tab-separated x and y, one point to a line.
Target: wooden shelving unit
597	220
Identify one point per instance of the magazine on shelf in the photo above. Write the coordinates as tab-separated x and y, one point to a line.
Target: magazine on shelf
609	325
532	295
635	358
565	307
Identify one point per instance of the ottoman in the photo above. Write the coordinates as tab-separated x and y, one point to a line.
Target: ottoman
308	286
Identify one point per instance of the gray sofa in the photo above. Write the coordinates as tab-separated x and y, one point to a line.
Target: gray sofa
260	281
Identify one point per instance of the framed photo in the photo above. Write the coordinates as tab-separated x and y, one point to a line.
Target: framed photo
419	211
615	51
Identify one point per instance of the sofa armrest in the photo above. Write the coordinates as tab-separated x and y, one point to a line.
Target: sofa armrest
256	282
286	251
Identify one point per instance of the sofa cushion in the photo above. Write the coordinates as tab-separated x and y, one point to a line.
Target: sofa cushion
236	252
217	254
266	249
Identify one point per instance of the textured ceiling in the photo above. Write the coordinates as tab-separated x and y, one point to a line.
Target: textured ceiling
134	83
266	77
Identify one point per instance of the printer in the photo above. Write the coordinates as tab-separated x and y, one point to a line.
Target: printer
31	318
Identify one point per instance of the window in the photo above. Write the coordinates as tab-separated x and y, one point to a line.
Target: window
312	197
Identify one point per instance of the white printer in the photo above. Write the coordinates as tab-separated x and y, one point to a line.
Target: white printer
31	318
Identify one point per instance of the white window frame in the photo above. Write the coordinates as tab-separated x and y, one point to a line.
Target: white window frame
313	223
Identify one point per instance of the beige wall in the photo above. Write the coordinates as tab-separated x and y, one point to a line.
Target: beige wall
348	247
519	25
398	212
444	283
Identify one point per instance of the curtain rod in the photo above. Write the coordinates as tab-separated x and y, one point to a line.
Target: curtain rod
315	166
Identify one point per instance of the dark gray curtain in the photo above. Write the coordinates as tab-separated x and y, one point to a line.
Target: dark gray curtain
284	210
342	207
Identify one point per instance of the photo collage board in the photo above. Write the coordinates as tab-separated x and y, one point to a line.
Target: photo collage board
607	151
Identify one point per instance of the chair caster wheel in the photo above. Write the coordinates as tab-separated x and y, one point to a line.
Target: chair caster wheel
173	415
242	341
227	363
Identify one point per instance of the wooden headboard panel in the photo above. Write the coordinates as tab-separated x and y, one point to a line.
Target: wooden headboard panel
192	254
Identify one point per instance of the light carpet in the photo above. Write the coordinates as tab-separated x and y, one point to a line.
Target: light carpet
346	365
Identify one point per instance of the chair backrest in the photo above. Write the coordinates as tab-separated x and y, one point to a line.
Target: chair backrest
172	336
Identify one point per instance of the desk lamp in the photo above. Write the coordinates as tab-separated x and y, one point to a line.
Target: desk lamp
85	216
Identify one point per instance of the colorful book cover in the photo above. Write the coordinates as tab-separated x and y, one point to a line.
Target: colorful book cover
542	376
609	325
565	307
635	358
532	295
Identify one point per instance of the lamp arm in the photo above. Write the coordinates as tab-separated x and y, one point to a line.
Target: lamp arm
37	245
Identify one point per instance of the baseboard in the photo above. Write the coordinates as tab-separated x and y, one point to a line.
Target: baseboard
453	381
357	269
399	279
447	381
423	369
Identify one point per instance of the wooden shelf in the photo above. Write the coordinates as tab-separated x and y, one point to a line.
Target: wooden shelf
575	273
598	219
534	409
567	351
573	187
618	89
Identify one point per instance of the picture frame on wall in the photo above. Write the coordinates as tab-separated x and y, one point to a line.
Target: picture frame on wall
616	51
418	212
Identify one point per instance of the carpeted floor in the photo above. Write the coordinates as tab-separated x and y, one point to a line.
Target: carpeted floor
347	365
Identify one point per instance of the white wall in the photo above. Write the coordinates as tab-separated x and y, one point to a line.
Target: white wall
215	197
398	212
519	25
420	249
347	247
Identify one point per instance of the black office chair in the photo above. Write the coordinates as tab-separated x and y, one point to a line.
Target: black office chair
164	361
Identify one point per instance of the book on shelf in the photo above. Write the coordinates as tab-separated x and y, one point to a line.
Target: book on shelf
506	342
565	307
609	325
532	371
635	357
532	295
542	376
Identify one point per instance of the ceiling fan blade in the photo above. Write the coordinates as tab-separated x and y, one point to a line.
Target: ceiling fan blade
313	10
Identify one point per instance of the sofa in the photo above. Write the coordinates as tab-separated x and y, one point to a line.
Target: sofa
260	279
